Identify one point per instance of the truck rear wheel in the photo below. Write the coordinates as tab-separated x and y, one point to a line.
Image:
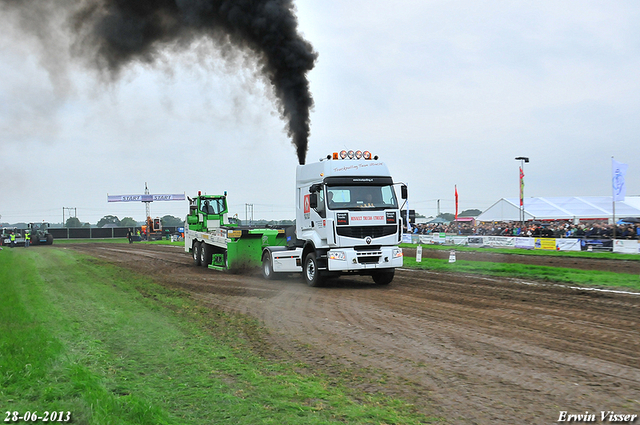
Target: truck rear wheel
310	270
267	266
206	254
383	277
196	253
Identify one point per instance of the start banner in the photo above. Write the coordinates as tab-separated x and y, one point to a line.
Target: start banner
145	198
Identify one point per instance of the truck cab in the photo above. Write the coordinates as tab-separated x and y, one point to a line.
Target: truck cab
347	221
208	211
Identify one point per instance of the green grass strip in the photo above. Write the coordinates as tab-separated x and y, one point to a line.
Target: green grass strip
112	347
538	252
546	273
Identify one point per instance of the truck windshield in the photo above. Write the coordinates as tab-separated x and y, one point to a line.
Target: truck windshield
213	206
361	197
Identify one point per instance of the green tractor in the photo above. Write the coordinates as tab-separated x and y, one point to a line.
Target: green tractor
39	234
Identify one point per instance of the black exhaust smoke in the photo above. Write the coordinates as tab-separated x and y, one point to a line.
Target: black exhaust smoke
110	34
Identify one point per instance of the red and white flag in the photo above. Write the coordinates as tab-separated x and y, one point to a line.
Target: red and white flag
456	187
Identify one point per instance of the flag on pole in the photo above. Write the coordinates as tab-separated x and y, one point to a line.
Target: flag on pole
456	187
618	172
521	187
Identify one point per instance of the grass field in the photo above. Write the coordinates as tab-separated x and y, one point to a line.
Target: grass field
111	347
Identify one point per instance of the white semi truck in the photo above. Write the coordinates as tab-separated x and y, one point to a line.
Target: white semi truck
347	222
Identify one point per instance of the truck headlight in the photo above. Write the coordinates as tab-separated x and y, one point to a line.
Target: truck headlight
397	252
336	255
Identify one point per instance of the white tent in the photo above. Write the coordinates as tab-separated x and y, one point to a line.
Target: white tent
561	208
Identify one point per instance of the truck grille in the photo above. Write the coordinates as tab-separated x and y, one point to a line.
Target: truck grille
369	256
364	231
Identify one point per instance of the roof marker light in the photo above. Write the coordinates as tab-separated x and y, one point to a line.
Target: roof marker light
366	155
343	154
358	154
350	154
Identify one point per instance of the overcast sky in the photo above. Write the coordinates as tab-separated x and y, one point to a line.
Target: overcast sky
445	92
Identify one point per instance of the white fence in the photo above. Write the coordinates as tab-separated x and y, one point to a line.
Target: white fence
549	244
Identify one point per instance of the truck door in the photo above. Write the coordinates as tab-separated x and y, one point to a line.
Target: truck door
319	215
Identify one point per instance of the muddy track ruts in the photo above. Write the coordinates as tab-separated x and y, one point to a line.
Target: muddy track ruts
473	349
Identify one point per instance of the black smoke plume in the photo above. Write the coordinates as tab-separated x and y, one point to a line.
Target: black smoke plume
111	34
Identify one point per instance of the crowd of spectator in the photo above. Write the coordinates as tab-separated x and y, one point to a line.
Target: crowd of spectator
550	229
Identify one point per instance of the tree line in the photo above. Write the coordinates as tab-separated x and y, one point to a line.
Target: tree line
112	220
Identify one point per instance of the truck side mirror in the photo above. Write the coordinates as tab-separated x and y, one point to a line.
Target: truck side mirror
315	188
404	191
313	200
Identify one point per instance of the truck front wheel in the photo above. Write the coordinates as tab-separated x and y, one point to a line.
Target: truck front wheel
196	253
267	266
383	277
310	270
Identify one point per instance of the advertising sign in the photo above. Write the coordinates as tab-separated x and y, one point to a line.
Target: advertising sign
358	218
626	246
545	243
307	206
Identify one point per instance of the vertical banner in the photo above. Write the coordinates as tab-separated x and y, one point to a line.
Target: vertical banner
521	187
618	172
456	188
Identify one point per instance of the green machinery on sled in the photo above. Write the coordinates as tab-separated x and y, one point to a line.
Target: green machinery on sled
217	243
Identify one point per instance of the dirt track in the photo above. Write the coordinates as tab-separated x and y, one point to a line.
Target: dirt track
471	349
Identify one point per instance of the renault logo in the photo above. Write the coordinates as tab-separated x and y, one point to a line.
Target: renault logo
368	240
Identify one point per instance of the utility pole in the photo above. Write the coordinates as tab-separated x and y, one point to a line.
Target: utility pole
147	202
75	213
248	213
